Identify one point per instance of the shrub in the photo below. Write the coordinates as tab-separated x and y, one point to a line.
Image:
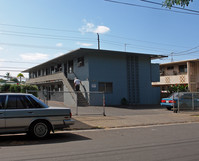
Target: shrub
124	101
32	89
5	88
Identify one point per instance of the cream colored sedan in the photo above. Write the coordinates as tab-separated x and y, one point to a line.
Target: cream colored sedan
25	113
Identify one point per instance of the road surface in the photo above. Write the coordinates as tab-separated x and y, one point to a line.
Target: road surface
153	143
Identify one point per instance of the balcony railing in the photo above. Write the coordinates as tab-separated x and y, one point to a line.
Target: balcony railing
172	79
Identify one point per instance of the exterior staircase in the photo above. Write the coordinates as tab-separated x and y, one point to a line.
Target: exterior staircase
81	100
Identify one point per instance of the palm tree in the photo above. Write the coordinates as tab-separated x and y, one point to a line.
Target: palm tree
8	76
20	75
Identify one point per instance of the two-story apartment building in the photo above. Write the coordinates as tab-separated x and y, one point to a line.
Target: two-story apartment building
118	74
180	72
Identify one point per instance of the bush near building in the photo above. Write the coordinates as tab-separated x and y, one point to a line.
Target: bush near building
178	88
19	88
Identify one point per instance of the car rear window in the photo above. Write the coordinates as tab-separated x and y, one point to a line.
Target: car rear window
34	103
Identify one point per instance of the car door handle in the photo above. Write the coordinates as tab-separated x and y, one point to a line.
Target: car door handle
30	112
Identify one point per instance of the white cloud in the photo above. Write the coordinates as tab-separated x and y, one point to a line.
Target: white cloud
102	29
1	48
59	44
90	27
34	56
84	44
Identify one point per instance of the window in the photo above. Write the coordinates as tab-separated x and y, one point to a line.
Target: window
2	101
80	61
70	66
106	87
34	103
170	68
17	102
183	68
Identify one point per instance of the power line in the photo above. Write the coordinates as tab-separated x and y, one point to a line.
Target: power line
39	28
11	68
120	37
171	6
42	37
154	8
46	35
188	53
34	46
18	62
180	53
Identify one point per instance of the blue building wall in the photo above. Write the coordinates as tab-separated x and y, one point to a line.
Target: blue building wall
148	94
109	68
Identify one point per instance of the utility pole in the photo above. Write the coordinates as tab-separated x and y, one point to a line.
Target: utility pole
172	57
125	47
98	40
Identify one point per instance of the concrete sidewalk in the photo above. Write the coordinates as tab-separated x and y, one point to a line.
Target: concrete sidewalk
92	122
92	117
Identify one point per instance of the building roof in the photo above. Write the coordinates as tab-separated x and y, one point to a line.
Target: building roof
180	62
85	51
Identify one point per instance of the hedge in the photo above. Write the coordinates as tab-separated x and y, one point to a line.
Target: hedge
14	88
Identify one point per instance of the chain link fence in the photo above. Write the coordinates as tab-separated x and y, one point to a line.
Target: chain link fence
187	101
81	103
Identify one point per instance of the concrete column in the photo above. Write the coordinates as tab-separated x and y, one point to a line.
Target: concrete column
188	76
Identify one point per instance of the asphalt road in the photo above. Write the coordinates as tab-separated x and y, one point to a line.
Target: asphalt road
155	143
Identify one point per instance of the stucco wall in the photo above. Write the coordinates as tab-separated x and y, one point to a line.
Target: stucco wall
148	94
103	68
106	68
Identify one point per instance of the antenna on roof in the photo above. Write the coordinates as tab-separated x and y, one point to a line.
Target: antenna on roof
98	40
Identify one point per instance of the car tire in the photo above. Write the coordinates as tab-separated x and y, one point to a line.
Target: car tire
169	108
40	129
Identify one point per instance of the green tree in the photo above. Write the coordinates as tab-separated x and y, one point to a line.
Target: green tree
15	80
2	81
8	75
20	75
170	3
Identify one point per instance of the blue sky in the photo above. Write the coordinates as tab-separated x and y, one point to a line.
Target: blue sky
34	31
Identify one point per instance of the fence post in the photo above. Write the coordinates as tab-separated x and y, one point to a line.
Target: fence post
173	105
192	101
76	103
104	104
178	102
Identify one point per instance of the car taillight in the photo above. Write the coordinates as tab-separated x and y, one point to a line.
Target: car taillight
70	114
172	101
163	101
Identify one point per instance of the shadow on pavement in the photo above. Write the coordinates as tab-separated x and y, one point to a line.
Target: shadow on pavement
80	125
23	139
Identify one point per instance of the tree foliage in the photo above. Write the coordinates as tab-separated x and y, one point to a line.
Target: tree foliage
20	75
178	88
170	3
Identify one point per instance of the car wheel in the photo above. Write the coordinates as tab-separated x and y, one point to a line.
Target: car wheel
168	108
40	129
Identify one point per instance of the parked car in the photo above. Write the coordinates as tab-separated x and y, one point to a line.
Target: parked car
185	101
25	113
